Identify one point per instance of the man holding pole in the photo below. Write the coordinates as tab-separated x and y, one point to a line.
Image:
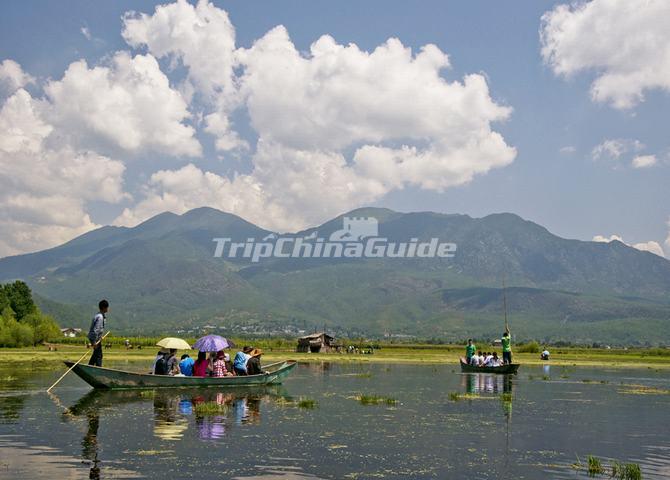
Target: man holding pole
95	333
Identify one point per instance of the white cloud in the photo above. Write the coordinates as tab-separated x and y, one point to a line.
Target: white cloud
615	148
44	190
611	238
86	32
128	103
626	43
644	161
650	246
201	37
567	150
403	122
12	77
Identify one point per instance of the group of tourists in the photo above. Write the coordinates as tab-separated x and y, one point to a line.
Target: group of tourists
217	364
479	358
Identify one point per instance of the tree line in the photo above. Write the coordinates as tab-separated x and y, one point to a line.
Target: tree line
21	321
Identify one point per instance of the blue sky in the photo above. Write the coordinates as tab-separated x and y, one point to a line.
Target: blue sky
554	125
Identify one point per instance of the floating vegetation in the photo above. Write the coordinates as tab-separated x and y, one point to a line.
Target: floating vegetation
618	470
457	396
546	378
363	375
301	402
595	466
506	397
643	390
210	408
376	400
628	471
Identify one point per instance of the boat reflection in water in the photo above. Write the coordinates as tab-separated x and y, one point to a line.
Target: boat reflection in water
174	411
487	383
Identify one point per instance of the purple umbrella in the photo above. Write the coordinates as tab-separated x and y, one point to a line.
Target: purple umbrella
212	343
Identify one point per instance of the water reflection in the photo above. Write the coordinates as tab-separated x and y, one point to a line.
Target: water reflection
475	383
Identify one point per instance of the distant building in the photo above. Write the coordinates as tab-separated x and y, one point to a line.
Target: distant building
317	343
497	342
70	332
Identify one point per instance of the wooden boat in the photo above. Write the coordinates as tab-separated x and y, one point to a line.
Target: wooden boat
509	369
108	378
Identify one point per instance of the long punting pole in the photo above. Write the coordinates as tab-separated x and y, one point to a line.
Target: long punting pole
505	303
76	363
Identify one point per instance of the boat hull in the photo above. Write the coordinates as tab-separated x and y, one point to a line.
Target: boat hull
509	369
108	378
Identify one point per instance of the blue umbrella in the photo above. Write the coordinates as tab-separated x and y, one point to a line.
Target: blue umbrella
212	343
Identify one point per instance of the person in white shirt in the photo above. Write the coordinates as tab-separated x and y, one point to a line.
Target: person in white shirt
494	361
474	360
487	359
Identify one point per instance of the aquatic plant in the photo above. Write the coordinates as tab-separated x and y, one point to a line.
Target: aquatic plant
210	408
628	471
595	466
457	396
307	403
376	400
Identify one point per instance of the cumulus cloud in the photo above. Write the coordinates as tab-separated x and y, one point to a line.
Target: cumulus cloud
12	77
626	43
403	123
650	246
616	147
44	190
644	161
128	103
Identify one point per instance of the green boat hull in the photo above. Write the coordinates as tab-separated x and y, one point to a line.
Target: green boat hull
509	369
111	379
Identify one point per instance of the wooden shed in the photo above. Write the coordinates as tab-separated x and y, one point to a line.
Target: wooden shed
316	343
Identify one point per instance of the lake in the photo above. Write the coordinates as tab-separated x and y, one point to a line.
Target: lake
437	423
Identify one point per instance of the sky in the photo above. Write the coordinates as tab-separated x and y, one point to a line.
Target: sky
289	113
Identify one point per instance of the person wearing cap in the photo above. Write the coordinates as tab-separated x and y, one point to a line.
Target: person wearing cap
219	366
254	363
240	361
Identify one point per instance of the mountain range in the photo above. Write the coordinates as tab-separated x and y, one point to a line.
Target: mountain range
163	275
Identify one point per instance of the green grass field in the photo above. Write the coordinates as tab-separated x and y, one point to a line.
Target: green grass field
433	354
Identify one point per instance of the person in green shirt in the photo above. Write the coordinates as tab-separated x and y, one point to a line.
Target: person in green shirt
470	350
506	347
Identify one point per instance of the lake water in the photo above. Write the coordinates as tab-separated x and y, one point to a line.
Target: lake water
533	425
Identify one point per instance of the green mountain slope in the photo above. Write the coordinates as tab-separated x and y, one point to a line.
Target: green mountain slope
162	275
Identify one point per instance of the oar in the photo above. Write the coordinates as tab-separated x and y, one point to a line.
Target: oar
76	363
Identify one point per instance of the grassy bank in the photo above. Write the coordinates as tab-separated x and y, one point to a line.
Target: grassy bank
433	354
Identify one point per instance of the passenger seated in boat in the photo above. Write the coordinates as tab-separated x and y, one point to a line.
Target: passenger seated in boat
494	361
487	358
474	360
186	365
219	367
240	361
201	365
254	363
159	355
172	362
161	365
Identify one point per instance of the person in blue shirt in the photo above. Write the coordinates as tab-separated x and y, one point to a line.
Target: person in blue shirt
186	365
96	332
240	361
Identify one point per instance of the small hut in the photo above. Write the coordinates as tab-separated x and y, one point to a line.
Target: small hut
316	343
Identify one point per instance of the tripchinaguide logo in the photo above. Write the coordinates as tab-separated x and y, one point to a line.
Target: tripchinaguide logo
358	238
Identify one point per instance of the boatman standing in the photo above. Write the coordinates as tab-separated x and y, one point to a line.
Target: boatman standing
470	350
96	332
506	347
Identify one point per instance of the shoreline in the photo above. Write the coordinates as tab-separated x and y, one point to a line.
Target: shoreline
418	355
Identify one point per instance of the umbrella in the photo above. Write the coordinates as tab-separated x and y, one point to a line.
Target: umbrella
174	343
212	343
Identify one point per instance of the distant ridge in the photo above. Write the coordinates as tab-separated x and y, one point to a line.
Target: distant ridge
161	274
